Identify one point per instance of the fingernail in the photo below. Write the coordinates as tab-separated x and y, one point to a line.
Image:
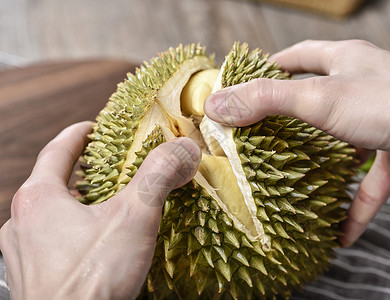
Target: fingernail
215	106
191	147
345	242
228	106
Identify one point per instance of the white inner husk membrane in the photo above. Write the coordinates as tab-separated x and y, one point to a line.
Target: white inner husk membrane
220	172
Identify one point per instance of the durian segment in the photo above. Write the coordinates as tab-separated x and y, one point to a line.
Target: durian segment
169	96
153	117
196	91
219	174
165	111
217	170
239	66
152	140
213	133
153	91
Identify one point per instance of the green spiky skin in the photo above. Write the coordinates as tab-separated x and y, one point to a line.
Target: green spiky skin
200	255
298	176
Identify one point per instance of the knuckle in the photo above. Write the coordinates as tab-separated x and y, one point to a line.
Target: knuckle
357	220
170	155
305	43
359	42
173	160
26	196
326	89
22	199
319	90
268	95
367	198
348	47
328	109
47	149
53	148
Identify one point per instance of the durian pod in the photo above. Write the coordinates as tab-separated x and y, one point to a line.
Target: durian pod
147	98
261	216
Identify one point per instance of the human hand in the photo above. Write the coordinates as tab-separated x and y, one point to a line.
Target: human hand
351	101
54	247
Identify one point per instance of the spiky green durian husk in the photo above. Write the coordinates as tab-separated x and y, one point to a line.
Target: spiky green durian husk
298	176
117	123
201	255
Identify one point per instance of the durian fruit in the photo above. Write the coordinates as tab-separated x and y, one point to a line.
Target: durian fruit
261	216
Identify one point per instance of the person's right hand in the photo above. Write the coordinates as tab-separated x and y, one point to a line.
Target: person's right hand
54	247
351	102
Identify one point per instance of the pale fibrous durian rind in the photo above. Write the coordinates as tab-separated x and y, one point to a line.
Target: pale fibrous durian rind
261	216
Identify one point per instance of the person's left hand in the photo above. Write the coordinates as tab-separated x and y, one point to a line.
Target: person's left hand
348	102
54	247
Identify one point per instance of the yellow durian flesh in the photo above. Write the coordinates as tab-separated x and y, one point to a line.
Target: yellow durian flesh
196	91
219	174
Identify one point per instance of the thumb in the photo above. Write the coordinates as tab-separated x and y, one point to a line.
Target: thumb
167	167
249	102
137	208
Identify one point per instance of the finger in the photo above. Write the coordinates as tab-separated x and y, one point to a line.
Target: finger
167	167
247	103
307	57
372	194
55	161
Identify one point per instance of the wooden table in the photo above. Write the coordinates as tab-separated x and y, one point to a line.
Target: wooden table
37	102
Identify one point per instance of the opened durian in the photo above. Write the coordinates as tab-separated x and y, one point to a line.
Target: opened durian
261	216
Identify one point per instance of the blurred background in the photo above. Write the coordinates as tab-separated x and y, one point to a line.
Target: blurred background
61	60
37	30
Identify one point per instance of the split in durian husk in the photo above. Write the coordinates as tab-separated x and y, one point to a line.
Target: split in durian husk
261	216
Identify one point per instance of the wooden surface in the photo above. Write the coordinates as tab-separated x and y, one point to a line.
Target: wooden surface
37	102
138	29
